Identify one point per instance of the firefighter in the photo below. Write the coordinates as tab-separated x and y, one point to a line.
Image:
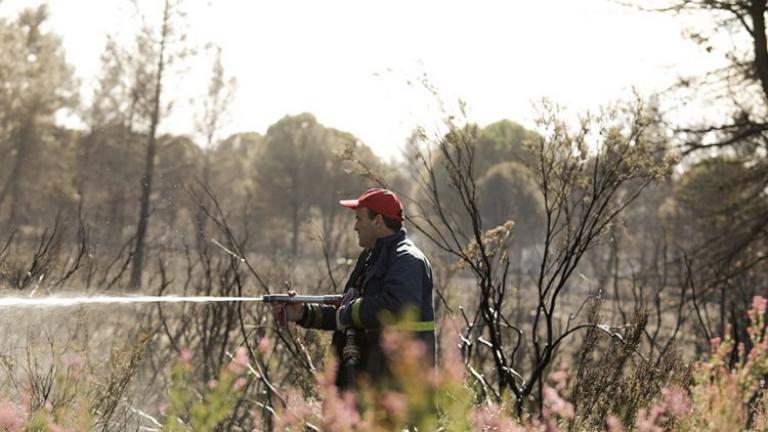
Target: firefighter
390	285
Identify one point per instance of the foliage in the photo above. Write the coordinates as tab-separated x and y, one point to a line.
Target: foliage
189	410
583	177
718	398
524	229
38	83
297	169
727	154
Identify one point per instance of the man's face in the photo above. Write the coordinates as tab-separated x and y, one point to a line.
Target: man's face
365	228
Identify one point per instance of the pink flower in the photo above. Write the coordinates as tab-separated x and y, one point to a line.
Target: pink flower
753	355
394	402
714	343
559	378
759	303
264	345
300	411
417	350
72	360
614	424
452	367
557	404
340	412
492	418
212	384
646	422
12	417
391	341
239	361
185	356
678	403
240	383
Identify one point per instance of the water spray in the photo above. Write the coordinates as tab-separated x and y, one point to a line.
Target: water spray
64	301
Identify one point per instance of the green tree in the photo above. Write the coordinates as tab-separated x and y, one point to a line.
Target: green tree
38	83
343	180
119	91
292	169
734	31
178	161
586	177
715	204
711	198
232	178
503	140
508	191
498	143
108	159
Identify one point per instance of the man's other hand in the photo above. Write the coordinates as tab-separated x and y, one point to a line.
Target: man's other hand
284	312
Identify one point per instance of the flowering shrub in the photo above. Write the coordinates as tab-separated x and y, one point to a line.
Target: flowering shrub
726	393
719	398
190	411
65	408
723	397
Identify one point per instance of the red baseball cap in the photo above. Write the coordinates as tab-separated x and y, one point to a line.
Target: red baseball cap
381	201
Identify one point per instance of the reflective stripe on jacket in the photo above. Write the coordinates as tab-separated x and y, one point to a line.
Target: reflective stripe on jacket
397	284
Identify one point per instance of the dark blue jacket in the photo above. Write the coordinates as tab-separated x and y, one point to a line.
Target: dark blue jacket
396	280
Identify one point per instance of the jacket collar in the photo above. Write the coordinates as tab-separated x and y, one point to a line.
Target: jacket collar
384	244
394	238
378	257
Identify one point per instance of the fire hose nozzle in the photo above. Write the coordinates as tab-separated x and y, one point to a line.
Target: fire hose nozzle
332	299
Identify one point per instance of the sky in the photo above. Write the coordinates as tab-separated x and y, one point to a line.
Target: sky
356	64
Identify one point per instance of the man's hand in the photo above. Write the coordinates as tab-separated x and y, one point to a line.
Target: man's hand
284	312
349	297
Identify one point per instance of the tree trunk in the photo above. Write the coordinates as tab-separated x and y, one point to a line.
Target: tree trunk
13	183
146	181
760	45
201	219
295	221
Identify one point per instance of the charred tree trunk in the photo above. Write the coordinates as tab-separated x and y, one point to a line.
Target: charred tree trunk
200	218
295	223
760	44
12	185
146	180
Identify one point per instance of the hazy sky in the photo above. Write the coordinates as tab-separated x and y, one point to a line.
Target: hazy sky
349	62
